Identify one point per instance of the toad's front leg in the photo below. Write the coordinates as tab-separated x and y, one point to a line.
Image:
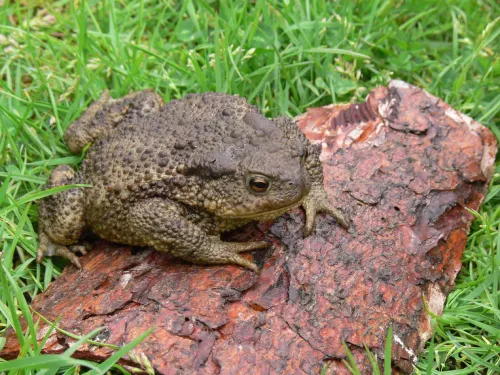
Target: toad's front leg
159	223
317	201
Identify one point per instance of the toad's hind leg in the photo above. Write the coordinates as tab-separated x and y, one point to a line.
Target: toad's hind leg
161	225
107	113
61	218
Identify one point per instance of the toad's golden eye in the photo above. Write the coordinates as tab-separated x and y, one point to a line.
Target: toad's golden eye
258	184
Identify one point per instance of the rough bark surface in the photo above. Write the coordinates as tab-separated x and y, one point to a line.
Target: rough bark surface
403	166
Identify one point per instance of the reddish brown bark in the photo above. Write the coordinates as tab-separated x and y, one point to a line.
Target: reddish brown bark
403	167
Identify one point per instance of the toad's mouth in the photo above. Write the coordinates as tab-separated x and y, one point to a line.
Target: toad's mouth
264	215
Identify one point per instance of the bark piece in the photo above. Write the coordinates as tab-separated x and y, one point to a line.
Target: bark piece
403	166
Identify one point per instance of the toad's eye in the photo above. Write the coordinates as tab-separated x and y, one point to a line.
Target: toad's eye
258	184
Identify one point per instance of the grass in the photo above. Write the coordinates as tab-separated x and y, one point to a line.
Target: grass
284	56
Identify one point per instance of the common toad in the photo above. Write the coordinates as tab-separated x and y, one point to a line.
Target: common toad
175	176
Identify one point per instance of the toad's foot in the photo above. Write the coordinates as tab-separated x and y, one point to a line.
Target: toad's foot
317	201
227	253
49	248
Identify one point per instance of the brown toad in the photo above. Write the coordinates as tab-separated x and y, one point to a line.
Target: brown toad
175	176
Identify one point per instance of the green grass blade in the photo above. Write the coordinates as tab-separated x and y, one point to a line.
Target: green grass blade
43	361
430	358
107	364
388	352
351	362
